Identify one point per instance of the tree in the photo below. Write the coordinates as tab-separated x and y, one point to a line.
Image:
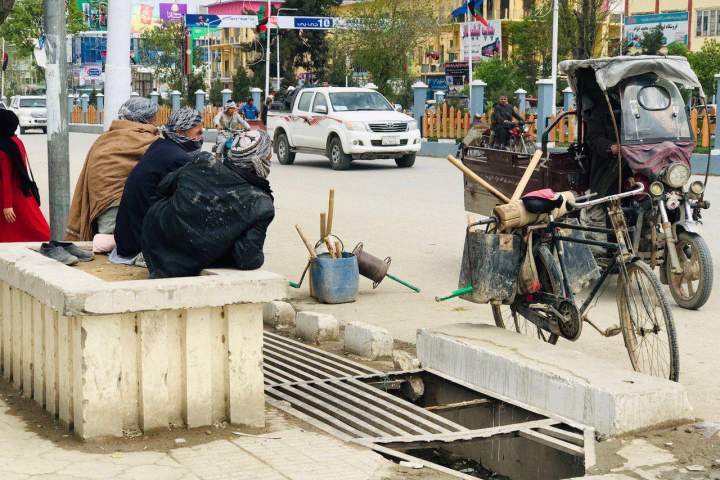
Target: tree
162	49
241	84
500	76
385	34
23	24
5	7
195	82
216	93
706	63
652	40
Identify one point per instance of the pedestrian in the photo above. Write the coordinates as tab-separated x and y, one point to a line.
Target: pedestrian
249	110
213	214
501	121
183	135
107	166
22	220
229	118
266	110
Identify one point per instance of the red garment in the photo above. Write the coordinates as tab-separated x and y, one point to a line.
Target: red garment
30	225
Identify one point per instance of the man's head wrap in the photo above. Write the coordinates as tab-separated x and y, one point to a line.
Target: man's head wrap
138	109
184	119
251	149
228	105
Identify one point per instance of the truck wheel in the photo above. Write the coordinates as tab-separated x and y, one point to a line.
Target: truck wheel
339	160
406	161
282	147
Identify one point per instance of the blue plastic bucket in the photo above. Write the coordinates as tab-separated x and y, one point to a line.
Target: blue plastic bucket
335	280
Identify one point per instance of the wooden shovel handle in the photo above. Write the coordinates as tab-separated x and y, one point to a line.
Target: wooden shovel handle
310	250
330	213
475	178
534	161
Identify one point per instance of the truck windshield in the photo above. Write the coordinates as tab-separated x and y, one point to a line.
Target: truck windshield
358	101
32	102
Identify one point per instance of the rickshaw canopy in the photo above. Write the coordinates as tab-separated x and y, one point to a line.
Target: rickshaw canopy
610	71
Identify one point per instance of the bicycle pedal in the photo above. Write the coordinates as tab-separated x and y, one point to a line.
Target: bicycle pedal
612	331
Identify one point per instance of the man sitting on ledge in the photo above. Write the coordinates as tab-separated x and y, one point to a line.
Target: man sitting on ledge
213	214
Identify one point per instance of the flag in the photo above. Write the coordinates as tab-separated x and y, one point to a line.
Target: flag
5	60
470	7
263	18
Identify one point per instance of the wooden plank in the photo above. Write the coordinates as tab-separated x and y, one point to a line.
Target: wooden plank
561	434
378	409
552	442
17	338
129	383
354	368
460	405
50	360
38	315
7	322
153	368
65	370
198	387
27	345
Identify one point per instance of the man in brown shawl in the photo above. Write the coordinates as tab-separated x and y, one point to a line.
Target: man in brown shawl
107	166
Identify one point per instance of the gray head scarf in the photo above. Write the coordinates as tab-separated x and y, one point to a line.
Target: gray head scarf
138	109
251	149
184	119
228	105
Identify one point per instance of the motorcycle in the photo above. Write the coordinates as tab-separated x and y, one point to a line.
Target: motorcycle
651	123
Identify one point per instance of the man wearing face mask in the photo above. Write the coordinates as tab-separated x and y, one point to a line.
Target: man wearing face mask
182	136
213	213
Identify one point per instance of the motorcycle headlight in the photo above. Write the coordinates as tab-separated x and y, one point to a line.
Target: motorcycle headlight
412	126
677	175
656	189
355	126
697	187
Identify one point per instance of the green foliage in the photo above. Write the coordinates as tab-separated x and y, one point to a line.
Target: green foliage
706	63
652	40
387	34
162	48
216	93
196	82
24	23
338	68
241	85
678	48
501	77
5	7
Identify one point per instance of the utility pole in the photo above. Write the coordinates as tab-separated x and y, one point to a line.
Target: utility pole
57	124
556	14
118	77
267	51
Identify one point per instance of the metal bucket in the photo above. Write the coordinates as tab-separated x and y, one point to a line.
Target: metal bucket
335	280
371	267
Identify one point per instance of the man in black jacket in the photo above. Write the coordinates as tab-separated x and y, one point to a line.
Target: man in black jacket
183	135
214	213
502	116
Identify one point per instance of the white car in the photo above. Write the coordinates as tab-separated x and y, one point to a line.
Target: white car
31	111
344	124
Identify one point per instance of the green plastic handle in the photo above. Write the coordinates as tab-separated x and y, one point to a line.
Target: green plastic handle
403	283
456	293
294	285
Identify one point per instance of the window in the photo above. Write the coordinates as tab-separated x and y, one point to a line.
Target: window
32	103
707	23
320	101
653	111
304	103
359	101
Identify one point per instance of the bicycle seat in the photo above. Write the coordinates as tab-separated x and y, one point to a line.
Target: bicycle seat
542	201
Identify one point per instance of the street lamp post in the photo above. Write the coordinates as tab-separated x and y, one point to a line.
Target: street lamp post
207	38
278	43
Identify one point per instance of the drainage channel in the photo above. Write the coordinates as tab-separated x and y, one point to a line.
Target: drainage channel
423	416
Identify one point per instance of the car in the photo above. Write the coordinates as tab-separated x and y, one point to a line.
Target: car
344	124
31	111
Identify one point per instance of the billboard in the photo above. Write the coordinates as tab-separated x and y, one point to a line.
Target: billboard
674	25
483	41
94	14
172	12
214	22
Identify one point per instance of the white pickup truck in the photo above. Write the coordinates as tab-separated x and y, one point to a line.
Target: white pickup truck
344	124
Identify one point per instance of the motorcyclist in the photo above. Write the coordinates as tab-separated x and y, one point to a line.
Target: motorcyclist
230	119
501	119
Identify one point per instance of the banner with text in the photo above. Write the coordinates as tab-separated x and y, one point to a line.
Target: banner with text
674	25
484	42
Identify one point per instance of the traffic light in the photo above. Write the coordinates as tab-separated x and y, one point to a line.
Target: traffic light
263	18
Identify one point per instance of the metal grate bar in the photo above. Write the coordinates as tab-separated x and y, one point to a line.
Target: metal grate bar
306	361
296	373
279	375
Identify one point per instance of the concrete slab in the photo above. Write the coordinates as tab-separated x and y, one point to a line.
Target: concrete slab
555	379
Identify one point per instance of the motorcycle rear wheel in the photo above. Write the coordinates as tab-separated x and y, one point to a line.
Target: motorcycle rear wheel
691	289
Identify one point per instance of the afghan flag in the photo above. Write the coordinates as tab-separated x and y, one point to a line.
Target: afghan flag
471	7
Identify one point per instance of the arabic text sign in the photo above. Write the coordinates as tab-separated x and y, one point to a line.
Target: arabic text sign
221	21
675	27
485	42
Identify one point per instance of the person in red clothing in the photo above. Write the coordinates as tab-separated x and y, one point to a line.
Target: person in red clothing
22	220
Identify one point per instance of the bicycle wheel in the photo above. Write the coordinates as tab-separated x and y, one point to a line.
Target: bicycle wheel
507	316
647	323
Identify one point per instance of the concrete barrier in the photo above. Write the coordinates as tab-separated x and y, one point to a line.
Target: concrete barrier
105	357
555	379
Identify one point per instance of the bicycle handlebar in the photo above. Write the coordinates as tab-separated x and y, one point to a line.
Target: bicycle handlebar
639	188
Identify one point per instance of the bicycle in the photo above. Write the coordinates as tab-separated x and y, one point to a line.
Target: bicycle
552	311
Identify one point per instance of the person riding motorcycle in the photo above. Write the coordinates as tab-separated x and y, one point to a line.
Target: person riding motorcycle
230	119
501	121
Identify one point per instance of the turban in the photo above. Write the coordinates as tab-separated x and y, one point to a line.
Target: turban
183	119
138	109
228	105
251	149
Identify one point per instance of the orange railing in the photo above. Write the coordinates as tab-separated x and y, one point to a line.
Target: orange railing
95	118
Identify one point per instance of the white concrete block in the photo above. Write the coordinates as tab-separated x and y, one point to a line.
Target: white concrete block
197	366
404	361
367	340
316	327
554	379
278	314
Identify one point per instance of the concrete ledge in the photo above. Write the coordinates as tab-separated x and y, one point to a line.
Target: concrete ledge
437	149
105	357
85	128
555	379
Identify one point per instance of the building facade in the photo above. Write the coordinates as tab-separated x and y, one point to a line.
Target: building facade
703	21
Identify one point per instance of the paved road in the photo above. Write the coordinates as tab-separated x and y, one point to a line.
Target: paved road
417	217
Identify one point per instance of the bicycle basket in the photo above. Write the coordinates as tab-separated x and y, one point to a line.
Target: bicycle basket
491	264
581	267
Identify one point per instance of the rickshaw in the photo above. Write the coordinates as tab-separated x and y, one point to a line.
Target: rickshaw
633	117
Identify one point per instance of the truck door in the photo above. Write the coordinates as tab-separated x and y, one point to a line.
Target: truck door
301	117
319	123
